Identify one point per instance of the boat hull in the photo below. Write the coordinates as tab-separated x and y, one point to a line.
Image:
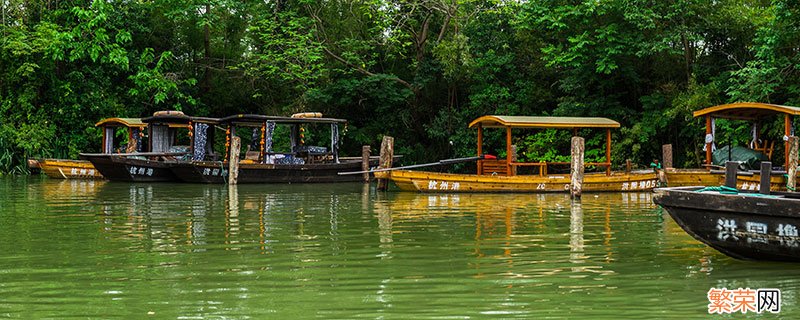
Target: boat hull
742	226
121	168
217	172
700	177
69	169
447	182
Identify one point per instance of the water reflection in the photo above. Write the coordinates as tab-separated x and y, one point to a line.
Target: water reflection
64	192
232	217
576	234
347	251
507	227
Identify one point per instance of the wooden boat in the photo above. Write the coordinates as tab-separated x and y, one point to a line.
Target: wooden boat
501	175
743	225
69	169
756	113
153	166
263	164
82	169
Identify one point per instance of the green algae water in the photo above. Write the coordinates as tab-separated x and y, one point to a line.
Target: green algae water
95	249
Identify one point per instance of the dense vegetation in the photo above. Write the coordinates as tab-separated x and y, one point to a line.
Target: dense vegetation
416	70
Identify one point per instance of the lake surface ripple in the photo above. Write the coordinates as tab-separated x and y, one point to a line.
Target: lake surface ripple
95	249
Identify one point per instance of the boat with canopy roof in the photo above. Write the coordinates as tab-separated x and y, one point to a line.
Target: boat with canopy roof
277	152
168	130
503	175
83	169
748	178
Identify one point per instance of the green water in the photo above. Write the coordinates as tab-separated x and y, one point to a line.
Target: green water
79	249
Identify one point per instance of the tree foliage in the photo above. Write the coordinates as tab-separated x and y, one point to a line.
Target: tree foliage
417	70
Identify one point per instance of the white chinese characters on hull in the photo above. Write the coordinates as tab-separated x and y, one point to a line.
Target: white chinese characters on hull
140	171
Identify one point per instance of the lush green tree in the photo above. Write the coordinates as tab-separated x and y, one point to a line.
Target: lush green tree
417	70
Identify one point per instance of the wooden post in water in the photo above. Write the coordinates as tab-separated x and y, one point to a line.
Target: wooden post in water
576	167
708	143
608	153
766	171
792	161
666	156
662	178
731	169
365	162
513	158
387	153
233	160
787	131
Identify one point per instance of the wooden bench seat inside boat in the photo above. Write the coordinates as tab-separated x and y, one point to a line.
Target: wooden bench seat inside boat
492	167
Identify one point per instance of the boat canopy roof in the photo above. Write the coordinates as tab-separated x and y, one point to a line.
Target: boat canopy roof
494	121
121	122
173	119
258	119
205	120
746	111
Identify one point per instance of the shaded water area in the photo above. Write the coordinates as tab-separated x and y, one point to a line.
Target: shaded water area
116	250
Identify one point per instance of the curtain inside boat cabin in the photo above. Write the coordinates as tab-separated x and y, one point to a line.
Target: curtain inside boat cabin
161	137
294	137
137	139
254	140
108	143
335	141
270	129
200	138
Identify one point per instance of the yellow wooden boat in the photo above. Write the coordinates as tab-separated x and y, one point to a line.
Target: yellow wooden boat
82	169
422	181
500	175
69	169
748	111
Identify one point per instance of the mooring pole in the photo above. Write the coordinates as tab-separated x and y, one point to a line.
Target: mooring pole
792	170
233	160
731	168
709	142
666	156
387	153
576	167
766	171
365	162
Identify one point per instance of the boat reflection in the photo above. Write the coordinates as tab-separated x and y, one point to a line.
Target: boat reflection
511	228
67	192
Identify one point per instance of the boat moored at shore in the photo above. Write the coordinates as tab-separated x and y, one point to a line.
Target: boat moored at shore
502	175
278	158
152	166
83	169
743	225
754	113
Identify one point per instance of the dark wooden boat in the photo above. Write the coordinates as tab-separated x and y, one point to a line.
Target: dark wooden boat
261	163
217	172
134	167
153	166
743	225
